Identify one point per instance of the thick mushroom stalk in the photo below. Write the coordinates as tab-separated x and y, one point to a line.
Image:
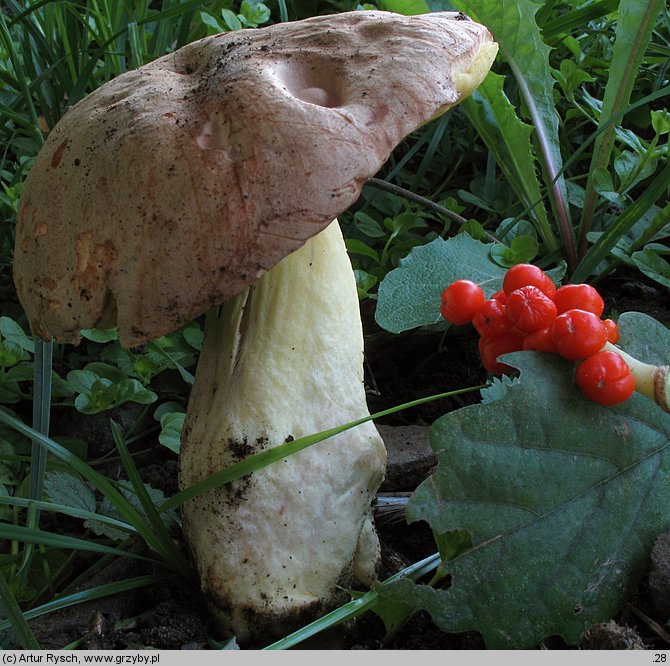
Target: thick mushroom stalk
280	361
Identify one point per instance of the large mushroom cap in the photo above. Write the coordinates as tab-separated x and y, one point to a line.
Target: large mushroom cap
176	185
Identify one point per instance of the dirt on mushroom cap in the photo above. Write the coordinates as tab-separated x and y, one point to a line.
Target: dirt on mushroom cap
175	186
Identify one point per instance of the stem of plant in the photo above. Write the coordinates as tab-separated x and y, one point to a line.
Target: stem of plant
650	380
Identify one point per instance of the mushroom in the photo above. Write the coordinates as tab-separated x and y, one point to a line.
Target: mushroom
210	180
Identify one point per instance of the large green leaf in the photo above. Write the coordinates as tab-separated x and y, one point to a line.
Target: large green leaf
562	498
513	25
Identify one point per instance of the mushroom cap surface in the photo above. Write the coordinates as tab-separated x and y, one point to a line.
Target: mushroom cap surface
175	186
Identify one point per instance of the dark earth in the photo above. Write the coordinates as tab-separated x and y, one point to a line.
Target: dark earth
398	369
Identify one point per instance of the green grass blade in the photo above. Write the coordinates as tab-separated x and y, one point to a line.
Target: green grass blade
185	374
283	11
264	458
10	114
38	456
106	40
28	535
577	18
435	139
658	222
67	511
7	43
636	19
547	140
409	155
137	51
99	592
168	549
33	39
21	15
41	415
15	617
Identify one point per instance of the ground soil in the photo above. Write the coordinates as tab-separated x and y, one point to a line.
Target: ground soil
398	369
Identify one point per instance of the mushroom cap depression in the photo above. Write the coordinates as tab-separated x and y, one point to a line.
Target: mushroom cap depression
177	185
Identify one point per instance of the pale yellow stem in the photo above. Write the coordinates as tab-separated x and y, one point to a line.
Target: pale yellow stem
650	380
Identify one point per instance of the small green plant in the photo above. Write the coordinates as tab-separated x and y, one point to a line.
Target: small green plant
16	349
580	189
251	15
108	376
396	232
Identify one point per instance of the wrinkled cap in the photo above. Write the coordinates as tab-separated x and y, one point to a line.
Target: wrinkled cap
177	185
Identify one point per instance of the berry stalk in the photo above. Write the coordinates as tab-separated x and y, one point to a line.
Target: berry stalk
650	380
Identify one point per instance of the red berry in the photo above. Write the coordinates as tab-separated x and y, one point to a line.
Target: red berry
579	297
499	296
612	330
491	348
578	334
605	378
529	309
460	300
540	341
528	275
491	319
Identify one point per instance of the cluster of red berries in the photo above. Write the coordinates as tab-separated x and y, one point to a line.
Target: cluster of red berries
529	312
